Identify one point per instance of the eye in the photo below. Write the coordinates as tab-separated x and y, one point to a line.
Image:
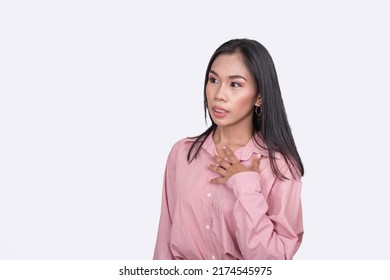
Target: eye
235	85
213	80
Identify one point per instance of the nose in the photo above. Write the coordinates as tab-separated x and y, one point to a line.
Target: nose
220	94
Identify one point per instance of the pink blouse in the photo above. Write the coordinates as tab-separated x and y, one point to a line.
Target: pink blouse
253	216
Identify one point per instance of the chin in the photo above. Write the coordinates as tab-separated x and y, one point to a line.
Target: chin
221	123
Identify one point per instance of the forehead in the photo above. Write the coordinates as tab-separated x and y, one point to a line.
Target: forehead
230	64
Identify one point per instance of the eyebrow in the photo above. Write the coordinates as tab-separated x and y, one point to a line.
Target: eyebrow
230	77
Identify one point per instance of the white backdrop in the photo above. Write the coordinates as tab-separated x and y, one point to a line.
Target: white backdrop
93	94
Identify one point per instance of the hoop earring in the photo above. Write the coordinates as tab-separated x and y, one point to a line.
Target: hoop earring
257	111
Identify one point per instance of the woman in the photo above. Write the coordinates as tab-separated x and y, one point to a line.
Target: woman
233	192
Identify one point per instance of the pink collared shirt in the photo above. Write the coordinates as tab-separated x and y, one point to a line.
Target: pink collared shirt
253	216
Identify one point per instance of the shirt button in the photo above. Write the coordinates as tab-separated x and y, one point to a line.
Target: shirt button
213	257
209	194
207	227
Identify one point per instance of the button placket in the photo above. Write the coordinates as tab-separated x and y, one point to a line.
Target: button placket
208	196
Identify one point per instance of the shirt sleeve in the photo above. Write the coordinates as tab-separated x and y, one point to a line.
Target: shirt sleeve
269	228
162	249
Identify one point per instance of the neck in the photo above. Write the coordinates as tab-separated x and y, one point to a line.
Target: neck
232	137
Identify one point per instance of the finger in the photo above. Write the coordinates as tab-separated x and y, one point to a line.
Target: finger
221	162
217	169
256	162
230	155
222	154
219	180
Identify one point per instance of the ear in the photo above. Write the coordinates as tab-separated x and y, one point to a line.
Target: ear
258	101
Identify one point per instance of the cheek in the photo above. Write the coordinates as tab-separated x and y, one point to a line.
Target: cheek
208	94
246	102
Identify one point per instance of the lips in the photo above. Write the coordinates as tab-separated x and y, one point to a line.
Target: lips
219	112
219	109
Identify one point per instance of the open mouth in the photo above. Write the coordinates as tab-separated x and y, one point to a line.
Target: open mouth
219	112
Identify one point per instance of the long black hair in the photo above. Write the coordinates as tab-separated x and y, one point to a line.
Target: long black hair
271	125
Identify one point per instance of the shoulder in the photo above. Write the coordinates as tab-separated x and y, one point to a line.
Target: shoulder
287	168
275	158
182	144
180	148
277	163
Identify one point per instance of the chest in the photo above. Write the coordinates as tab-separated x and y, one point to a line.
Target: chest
193	190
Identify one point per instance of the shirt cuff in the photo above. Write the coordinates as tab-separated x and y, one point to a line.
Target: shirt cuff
244	183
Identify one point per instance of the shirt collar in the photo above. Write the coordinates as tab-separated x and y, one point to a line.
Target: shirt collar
243	153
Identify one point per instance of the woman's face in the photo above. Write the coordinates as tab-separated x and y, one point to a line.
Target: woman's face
231	92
